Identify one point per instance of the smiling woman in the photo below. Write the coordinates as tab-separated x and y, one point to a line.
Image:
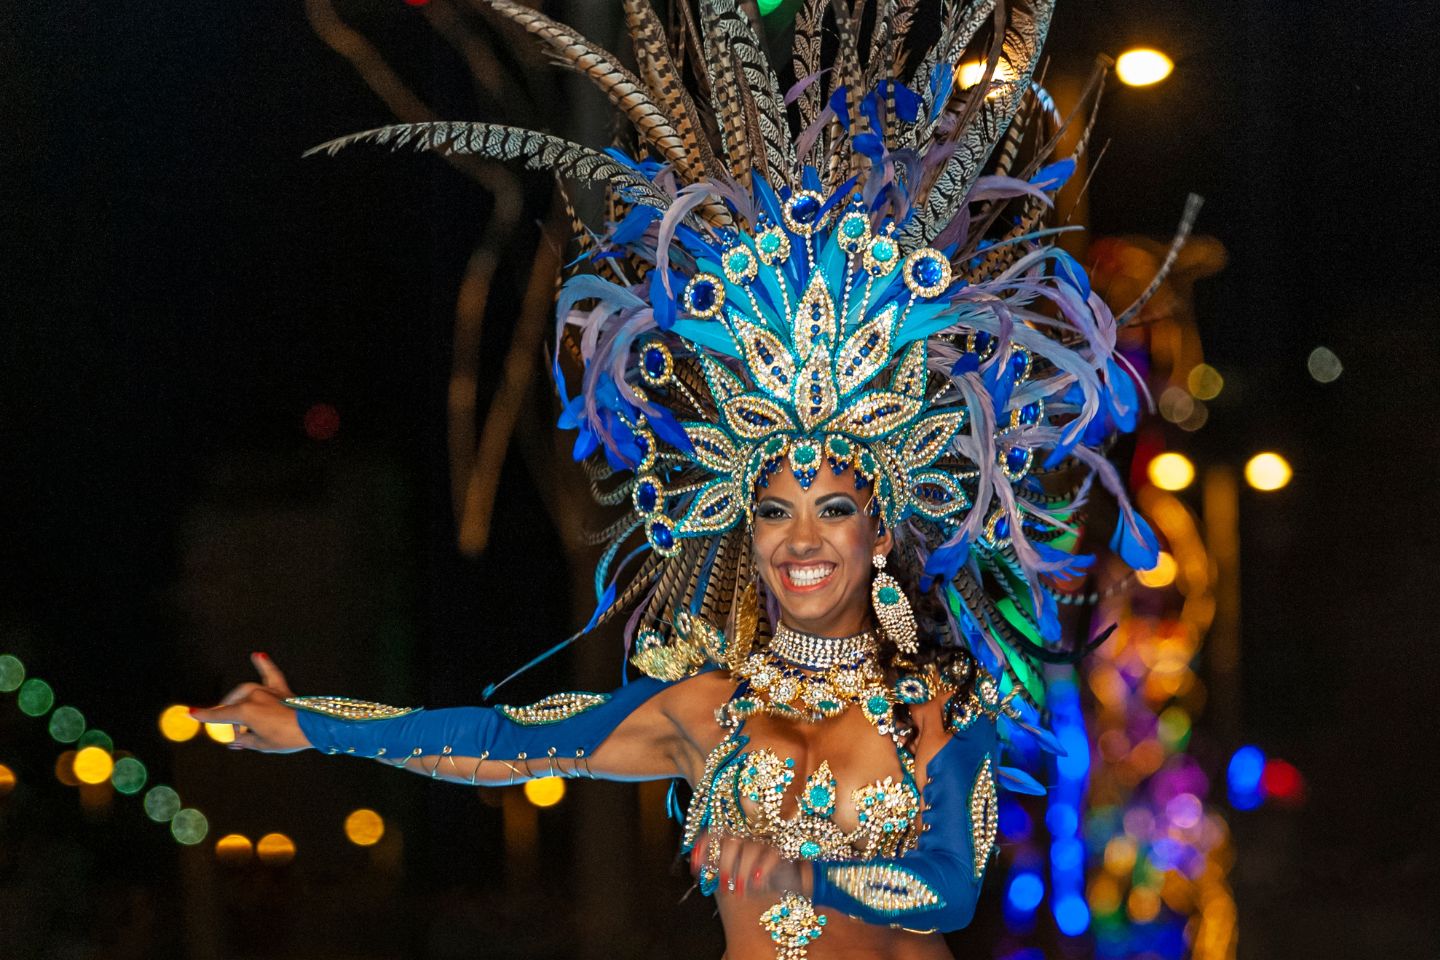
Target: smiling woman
806	358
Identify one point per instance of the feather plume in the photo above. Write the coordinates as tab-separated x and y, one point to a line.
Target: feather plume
666	83
537	151
726	26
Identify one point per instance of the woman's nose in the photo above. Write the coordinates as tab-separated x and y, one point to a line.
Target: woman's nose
804	537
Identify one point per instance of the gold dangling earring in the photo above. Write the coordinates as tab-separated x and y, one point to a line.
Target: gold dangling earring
892	609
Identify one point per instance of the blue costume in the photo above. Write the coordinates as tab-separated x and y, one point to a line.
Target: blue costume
848	271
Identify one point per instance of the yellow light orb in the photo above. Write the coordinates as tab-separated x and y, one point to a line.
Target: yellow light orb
1144	904
275	849
1120	855
1267	471
7	779
1160	575
1143	67
1104	895
176	723
220	732
1205	381
545	792
364	828
1171	471
93	765
234	848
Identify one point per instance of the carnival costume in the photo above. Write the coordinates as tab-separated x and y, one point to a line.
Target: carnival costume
849	272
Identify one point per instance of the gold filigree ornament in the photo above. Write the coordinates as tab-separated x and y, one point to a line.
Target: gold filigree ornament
793	924
348	708
554	708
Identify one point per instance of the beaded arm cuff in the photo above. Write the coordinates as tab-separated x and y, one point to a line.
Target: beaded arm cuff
934	886
554	737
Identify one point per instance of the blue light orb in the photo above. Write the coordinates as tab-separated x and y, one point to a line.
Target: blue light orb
1026	891
1067	855
1072	916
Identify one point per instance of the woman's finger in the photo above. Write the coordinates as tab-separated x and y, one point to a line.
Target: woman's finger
730	853
270	674
246	740
221	713
240	693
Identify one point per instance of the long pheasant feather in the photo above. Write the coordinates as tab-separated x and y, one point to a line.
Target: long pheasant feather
666	83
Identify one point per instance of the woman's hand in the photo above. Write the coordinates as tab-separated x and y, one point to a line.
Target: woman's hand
749	866
263	722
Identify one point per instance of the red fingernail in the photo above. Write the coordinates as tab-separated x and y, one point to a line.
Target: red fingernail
192	711
262	656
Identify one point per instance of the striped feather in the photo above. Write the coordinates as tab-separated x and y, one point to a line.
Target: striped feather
805	57
623	89
727	28
666	83
536	151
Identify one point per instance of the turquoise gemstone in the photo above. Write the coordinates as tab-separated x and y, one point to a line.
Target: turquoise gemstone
876	704
889	595
809	850
770	242
883	251
789	762
821	919
804	455
854	227
819	796
739	261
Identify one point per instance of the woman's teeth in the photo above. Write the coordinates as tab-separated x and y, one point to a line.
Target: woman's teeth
809	576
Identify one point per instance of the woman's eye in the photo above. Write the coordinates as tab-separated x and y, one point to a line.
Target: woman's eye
838	510
769	512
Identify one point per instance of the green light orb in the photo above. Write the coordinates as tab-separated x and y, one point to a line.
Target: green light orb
95	738
66	724
161	804
189	826
12	673
129	775
35	697
769	6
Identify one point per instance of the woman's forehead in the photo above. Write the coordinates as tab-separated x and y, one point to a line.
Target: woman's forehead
782	484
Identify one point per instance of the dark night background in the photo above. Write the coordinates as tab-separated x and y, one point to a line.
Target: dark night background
180	287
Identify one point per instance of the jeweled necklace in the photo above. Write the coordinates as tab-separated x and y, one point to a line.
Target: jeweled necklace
820	653
845	671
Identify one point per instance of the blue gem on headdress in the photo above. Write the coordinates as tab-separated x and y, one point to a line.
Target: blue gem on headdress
647	495
740	265
1030	413
704	296
661	536
927	272
656	364
802	212
1020	364
1016	460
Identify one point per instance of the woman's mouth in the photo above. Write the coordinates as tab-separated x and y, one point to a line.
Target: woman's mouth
804	577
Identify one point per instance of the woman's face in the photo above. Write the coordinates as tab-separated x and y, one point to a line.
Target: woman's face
814	549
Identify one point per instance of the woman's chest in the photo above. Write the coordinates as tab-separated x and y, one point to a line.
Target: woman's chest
833	791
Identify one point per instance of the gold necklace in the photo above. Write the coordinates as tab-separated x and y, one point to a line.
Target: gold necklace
779	685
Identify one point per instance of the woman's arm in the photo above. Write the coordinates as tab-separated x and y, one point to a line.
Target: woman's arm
629	734
935	885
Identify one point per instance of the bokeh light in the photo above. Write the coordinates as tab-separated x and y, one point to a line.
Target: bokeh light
364	827
1143	904
93	765
1267	471
96	738
1282	781
234	848
7	780
220	732
1171	471
66	724
1143	67
1072	916
12	673
1323	365
1204	381
65	769
322	422
276	849
35	697
129	776
973	71
1198	417
189	826
545	792
1026	891
161	804
1160	575
176	723
1242	777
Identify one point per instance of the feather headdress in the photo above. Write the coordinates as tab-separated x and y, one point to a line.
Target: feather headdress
849	268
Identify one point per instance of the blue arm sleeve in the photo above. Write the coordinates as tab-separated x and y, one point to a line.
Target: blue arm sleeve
935	885
564	727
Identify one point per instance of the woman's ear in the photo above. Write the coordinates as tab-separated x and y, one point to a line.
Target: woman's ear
884	540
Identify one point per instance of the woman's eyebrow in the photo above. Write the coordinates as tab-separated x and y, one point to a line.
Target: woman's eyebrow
777	501
838	496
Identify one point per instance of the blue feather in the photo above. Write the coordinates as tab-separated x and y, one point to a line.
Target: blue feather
1018	781
1140	552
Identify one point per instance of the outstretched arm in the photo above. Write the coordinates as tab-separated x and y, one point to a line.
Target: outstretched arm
629	734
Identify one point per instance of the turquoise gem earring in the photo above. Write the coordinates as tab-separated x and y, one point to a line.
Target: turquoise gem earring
892	609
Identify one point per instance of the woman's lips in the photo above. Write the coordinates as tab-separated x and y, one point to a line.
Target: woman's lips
806	578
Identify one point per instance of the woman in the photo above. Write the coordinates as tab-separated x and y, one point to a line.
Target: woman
817	349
